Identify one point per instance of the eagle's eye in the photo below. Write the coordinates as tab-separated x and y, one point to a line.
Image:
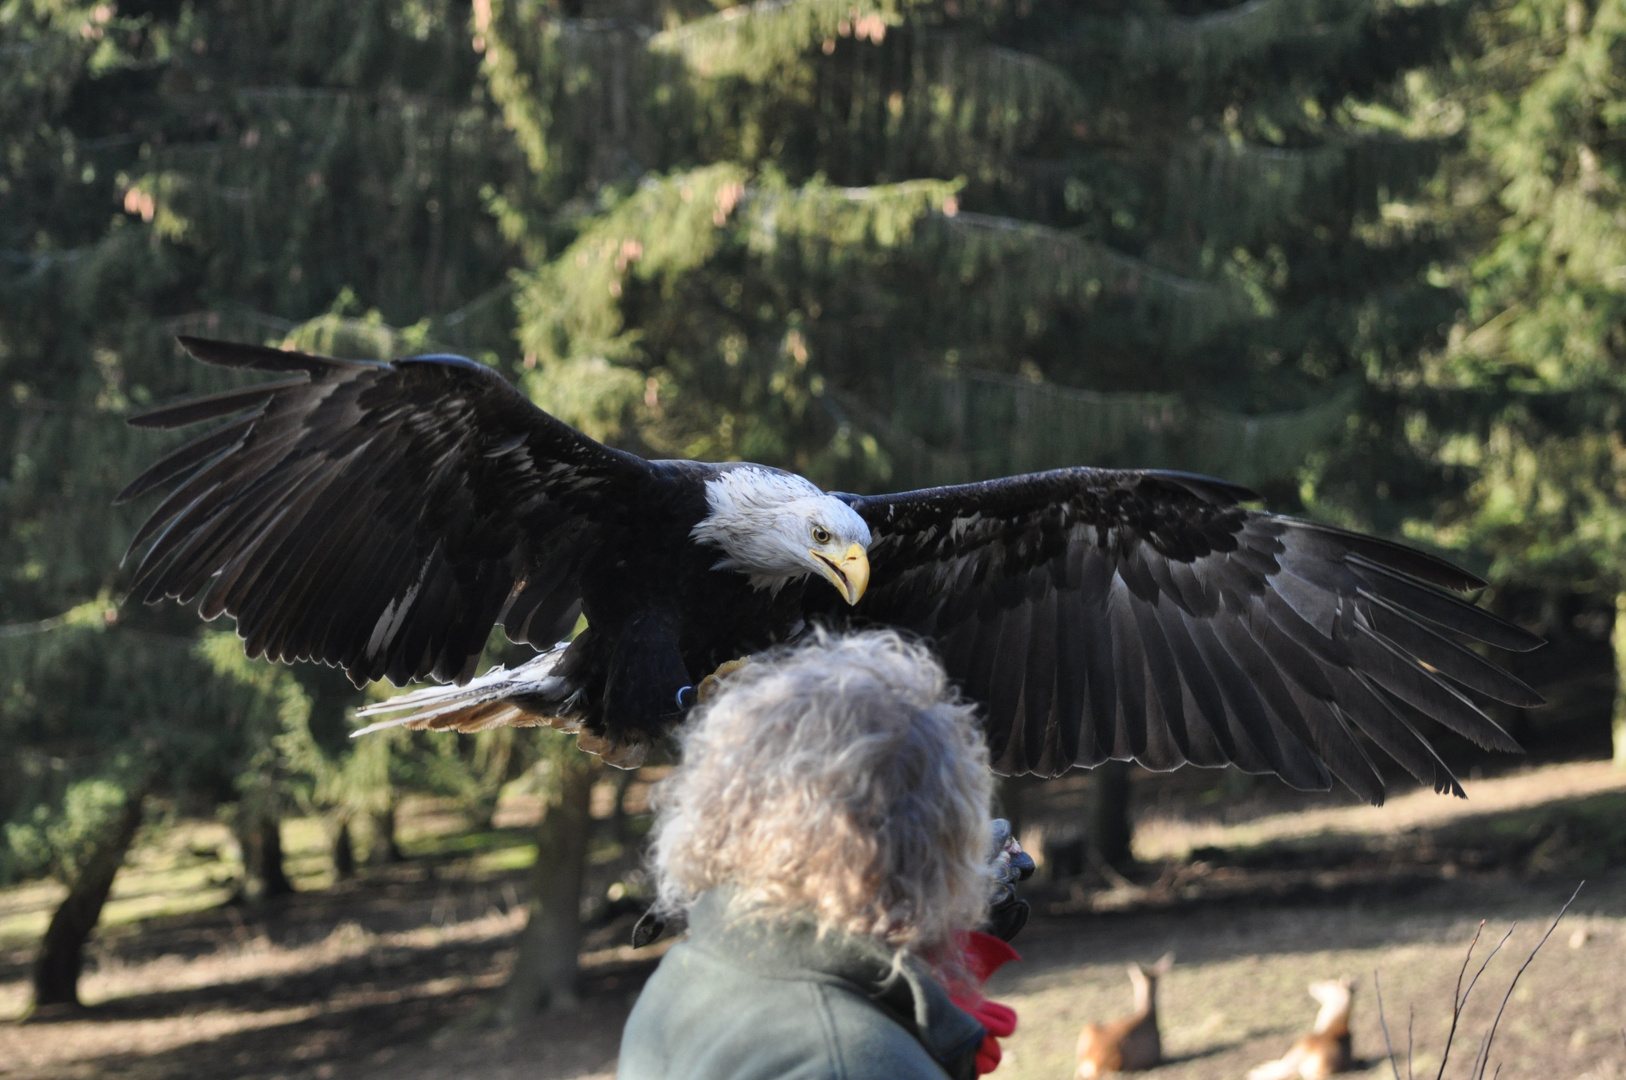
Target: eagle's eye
821	535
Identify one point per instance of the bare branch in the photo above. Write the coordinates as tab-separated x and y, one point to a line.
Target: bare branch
1388	1047
1458	998
1411	1021
1490	1037
1456	995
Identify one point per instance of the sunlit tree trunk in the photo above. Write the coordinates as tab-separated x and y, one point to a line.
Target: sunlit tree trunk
1620	681
545	970
62	953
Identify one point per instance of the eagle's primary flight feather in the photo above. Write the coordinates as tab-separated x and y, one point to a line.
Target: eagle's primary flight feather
384	517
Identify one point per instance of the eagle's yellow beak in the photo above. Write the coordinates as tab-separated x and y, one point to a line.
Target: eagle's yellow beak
850	576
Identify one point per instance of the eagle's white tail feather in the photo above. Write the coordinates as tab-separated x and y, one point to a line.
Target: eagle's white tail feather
380	726
483	702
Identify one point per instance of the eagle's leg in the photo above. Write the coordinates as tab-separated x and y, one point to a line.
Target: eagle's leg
711	684
645	670
690	696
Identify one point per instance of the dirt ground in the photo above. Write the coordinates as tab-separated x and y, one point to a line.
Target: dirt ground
1236	997
385	977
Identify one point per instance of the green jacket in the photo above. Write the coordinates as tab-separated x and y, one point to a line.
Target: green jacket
745	999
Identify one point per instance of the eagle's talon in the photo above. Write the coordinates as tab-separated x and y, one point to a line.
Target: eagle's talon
711	684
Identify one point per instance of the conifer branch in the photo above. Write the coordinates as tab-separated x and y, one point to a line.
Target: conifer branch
1242	191
1207	46
753	40
1064	424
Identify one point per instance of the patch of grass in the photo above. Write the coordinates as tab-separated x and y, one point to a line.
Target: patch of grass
172	871
1579	835
25	911
504	860
161	905
190	866
1582	834
469	843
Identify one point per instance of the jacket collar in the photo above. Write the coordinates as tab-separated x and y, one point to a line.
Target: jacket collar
901	987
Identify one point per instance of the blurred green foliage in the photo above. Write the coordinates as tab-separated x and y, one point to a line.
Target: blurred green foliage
275	172
1360	254
782	228
59	838
1524	401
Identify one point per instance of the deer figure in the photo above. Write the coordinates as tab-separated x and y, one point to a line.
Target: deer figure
1130	1042
1326	1049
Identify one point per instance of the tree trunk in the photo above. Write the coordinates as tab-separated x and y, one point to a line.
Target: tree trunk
384	848
545	970
62	954
492	754
272	872
1620	681
1109	831
261	841
344	853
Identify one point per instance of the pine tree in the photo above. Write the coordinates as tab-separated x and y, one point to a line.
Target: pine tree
1526	400
895	243
875	240
237	170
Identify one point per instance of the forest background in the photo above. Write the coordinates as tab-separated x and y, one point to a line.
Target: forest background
1366	256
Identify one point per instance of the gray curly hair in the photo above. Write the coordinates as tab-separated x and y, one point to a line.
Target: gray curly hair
843	780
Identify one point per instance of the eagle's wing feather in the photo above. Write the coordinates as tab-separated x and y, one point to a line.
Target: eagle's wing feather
1148	616
381	517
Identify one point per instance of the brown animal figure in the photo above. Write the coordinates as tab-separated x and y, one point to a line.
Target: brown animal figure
1326	1049
1130	1042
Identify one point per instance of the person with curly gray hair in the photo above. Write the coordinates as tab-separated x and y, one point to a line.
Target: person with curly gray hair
827	839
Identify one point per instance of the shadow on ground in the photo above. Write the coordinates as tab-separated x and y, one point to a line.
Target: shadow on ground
380	977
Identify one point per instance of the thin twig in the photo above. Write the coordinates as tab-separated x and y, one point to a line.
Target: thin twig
41	626
1456	995
1466	994
1491	1036
1477	1069
1458	998
1411	1021
1388	1047
1475	980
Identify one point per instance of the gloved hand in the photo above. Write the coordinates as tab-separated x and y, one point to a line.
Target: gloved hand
650	925
1007	914
984	954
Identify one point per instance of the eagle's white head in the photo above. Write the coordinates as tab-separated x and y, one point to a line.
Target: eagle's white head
774	526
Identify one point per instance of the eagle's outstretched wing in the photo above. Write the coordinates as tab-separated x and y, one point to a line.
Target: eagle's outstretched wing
380	517
1115	614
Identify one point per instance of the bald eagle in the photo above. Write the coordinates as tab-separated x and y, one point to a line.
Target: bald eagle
383	517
